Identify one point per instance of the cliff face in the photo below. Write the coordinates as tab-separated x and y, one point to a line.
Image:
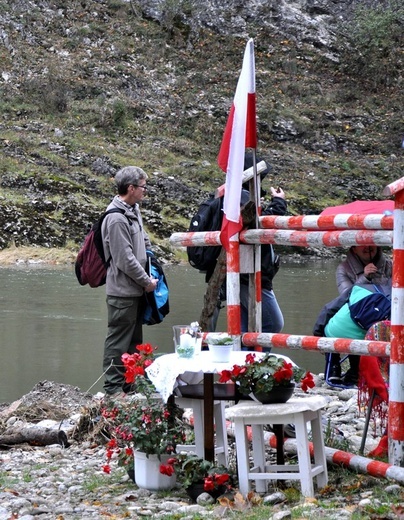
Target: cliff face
90	86
310	22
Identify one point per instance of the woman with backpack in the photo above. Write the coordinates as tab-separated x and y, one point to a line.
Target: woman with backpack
363	265
350	315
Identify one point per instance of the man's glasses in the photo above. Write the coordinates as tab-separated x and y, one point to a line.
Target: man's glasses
143	187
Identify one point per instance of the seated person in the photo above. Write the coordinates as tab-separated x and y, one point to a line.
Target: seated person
335	321
364	264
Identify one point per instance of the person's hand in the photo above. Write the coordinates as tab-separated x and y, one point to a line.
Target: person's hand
277	192
152	285
370	270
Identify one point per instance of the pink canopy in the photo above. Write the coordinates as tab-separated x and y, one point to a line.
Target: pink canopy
364	207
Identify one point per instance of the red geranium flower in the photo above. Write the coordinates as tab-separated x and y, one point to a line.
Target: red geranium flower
112	443
221	478
225	376
307	382
250	358
167	469
136	363
208	484
146	348
285	373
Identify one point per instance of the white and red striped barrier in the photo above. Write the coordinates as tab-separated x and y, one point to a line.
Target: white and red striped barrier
341	458
315	343
196	238
341	230
396	387
285	237
317	238
327	222
233	290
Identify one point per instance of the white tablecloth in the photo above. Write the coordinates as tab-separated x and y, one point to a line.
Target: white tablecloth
169	371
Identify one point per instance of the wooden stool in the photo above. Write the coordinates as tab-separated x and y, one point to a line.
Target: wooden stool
297	411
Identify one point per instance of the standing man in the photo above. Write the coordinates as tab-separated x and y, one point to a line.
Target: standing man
272	317
125	241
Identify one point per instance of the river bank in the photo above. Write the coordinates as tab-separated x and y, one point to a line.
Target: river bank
66	256
35	255
55	482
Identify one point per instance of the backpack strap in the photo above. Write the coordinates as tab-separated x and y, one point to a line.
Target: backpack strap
116	210
108	212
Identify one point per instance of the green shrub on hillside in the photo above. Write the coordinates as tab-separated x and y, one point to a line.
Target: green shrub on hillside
376	36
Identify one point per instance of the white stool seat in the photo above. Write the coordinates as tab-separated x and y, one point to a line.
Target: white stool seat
297	411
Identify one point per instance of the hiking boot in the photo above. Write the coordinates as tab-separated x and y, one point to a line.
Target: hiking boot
350	378
334	374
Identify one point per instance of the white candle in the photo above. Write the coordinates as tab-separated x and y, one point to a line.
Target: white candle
186	340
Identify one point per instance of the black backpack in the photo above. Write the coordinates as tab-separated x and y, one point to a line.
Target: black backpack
91	265
208	218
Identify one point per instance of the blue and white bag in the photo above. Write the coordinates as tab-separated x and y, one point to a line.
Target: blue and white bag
371	309
157	301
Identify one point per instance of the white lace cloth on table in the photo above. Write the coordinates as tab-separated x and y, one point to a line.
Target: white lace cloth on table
169	371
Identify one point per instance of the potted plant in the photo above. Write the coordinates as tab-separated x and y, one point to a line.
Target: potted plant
220	346
267	379
197	475
144	429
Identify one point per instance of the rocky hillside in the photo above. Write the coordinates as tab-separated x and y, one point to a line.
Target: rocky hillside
89	86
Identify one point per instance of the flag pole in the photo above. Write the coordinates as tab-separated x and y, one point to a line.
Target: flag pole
240	133
254	293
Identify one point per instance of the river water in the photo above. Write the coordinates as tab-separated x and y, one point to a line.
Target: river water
53	329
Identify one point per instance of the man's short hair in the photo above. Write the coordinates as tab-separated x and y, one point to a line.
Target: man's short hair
127	176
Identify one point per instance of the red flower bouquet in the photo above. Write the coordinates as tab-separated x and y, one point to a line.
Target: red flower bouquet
261	375
142	422
193	471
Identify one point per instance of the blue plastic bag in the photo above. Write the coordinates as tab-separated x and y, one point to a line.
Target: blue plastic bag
157	301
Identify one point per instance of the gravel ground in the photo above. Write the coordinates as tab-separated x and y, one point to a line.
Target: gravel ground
55	482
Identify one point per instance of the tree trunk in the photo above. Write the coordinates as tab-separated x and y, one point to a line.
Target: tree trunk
34	437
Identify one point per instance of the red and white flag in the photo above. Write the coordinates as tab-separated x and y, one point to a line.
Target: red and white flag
240	133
